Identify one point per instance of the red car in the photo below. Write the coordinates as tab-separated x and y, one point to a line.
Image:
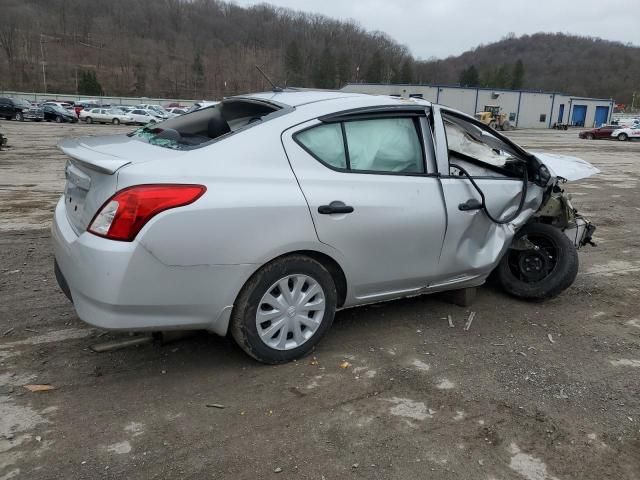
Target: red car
601	132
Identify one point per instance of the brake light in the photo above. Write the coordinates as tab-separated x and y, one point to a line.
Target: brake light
124	214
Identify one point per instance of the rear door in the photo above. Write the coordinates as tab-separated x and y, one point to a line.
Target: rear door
474	244
373	195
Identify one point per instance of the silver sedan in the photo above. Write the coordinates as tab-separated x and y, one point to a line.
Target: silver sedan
263	214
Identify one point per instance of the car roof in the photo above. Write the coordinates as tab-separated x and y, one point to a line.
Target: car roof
301	97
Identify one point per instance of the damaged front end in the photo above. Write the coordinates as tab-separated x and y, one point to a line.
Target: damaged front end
557	211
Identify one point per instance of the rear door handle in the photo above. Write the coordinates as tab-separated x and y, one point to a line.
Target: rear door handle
471	204
334	207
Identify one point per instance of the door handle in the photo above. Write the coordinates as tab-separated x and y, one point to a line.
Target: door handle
471	204
334	207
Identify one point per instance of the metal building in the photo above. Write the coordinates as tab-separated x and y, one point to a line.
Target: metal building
525	108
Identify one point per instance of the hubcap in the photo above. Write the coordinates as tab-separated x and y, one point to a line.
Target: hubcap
290	312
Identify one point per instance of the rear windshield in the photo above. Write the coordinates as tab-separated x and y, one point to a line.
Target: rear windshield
196	129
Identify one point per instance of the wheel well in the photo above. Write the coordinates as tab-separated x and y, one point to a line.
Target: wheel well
332	266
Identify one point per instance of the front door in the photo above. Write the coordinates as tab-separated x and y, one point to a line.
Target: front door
474	243
374	197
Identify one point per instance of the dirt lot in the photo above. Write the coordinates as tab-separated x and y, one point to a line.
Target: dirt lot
533	390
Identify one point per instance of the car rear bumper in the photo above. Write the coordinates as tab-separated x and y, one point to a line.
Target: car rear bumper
122	286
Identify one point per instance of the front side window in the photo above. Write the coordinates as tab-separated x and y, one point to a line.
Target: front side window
478	151
385	145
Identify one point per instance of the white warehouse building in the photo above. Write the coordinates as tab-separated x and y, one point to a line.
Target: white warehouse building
525	108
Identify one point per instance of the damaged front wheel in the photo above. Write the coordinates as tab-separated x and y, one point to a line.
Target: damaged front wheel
541	263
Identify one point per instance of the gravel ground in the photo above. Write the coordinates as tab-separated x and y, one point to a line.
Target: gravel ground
538	391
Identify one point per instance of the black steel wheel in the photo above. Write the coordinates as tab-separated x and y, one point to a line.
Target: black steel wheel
543	271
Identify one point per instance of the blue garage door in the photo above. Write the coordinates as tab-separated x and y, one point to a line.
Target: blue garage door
579	115
602	114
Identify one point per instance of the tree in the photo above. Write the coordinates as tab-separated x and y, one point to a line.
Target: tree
375	70
293	64
324	72
197	69
344	69
406	72
88	84
517	78
469	77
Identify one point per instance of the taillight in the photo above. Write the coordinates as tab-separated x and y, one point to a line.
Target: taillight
124	214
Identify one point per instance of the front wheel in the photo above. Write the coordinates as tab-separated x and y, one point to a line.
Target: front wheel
284	309
58	119
623	137
19	117
115	121
88	120
543	271
589	136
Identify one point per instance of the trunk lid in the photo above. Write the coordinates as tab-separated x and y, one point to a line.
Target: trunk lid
91	171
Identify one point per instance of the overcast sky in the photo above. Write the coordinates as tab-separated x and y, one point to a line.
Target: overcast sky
449	27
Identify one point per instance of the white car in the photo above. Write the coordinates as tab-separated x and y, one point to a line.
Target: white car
143	117
115	116
201	105
174	112
158	109
626	133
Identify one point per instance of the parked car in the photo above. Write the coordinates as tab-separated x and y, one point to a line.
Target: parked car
175	105
598	133
626	133
18	109
160	112
115	116
201	105
263	215
174	112
58	114
65	105
142	117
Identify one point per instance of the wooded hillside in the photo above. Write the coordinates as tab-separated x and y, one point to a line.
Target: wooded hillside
208	49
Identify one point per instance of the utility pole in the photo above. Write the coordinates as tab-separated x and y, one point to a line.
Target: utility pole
44	63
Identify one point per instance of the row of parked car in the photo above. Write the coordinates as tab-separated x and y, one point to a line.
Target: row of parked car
90	112
622	131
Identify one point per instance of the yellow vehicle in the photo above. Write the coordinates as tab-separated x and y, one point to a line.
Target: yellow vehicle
491	116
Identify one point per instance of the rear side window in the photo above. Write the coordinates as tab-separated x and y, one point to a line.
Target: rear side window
325	143
382	145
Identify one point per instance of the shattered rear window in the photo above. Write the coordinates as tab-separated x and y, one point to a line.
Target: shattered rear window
198	128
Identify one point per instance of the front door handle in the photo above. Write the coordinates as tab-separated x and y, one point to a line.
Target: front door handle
471	204
334	207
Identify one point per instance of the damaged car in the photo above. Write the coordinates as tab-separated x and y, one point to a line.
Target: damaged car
262	215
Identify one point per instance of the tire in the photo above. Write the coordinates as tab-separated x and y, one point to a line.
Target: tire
115	121
88	120
493	125
58	119
623	137
589	136
554	266
246	328
19	117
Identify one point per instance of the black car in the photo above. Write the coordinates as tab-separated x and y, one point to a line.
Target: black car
19	109
58	114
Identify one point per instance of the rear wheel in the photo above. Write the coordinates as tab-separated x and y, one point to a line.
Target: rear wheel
543	271
623	137
493	125
115	121
589	136
284	309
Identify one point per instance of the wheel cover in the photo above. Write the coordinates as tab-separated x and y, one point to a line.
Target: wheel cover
290	312
532	266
